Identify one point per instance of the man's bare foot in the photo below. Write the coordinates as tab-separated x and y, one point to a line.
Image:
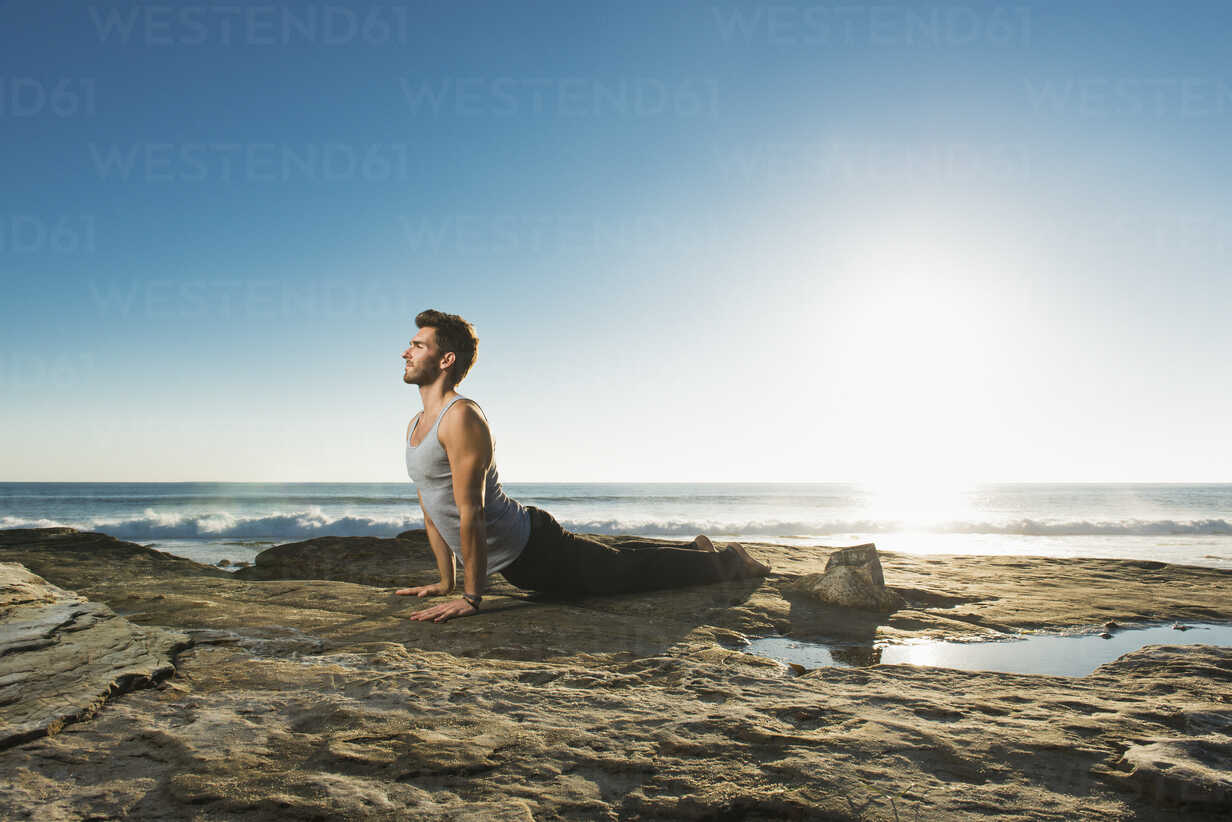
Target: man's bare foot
752	567
703	543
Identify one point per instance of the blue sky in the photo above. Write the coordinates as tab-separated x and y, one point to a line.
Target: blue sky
699	241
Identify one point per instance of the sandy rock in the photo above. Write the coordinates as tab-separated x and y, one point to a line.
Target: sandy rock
62	657
320	699
1194	771
86	558
852	579
403	561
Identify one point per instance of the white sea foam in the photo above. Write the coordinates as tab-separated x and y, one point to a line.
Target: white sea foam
314	522
215	525
1020	527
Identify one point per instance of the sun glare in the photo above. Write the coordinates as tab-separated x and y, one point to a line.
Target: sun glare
918	345
918	501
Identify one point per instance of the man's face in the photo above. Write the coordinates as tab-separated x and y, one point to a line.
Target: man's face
423	359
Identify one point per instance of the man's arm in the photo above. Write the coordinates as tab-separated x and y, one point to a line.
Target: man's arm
467	442
444	561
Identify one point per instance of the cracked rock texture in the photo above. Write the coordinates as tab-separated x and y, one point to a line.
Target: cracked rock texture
321	699
62	656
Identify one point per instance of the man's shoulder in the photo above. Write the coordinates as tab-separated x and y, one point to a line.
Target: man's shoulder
464	431
466	406
464	415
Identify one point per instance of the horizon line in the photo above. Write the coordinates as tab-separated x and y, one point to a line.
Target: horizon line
619	482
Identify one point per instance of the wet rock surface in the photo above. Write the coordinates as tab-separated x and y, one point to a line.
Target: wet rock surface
314	698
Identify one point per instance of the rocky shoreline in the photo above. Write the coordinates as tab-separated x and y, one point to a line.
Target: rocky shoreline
302	690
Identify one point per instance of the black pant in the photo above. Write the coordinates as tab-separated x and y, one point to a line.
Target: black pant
561	563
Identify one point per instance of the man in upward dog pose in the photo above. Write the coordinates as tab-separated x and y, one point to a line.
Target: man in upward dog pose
449	457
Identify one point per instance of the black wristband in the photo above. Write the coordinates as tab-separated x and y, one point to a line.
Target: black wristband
473	599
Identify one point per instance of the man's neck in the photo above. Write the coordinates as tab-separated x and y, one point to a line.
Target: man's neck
434	397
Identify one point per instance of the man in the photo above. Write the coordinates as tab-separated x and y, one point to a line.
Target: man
449	457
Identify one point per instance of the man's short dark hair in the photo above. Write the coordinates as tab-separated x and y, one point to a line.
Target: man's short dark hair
452	334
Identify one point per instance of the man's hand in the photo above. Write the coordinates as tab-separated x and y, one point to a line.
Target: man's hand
446	611
437	589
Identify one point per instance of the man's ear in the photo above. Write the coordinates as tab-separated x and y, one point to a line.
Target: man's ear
447	359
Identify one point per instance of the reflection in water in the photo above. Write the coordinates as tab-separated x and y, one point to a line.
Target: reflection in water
1047	654
857	656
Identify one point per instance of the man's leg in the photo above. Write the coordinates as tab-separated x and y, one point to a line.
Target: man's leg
559	562
701	542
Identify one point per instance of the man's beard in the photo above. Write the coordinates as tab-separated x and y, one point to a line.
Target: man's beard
416	377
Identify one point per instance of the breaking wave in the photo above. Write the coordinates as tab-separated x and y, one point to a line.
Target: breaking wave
316	523
292	526
1021	527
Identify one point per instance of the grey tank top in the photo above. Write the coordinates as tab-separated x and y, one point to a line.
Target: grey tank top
508	522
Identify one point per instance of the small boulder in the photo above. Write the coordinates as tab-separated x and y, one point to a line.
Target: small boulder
852	579
224	563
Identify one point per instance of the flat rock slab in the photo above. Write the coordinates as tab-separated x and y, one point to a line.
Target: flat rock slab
62	656
81	559
312	698
380	731
946	596
362	560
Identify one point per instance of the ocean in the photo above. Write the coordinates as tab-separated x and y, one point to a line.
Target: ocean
210	521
